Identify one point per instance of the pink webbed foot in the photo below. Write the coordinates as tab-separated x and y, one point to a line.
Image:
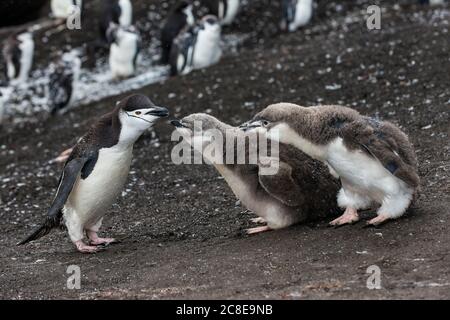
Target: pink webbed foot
258	220
95	240
350	216
258	230
102	241
382	218
84	248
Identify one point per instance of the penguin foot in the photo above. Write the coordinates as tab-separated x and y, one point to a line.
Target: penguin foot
102	241
378	220
84	248
95	240
258	220
258	230
350	216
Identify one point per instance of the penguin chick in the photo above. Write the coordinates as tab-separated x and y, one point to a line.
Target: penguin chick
300	189
64	75
180	18
96	172
374	159
18	52
125	47
196	48
295	14
225	10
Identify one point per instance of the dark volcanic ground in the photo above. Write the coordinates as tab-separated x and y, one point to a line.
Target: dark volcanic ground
182	231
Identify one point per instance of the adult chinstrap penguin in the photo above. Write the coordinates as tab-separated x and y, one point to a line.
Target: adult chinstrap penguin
180	18
225	10
118	12
18	52
374	159
301	189
124	50
196	48
96	172
64	75
295	14
62	9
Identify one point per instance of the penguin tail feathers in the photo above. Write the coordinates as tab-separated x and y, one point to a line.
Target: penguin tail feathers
49	224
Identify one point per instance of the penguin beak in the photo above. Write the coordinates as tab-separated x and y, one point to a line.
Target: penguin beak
177	123
250	125
158	112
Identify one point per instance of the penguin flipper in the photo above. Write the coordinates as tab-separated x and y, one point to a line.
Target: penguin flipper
281	185
54	214
386	143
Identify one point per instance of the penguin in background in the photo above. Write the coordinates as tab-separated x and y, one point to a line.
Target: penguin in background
180	18
196	48
18	52
5	93
62	9
295	14
96	171
118	12
124	50
225	10
64	75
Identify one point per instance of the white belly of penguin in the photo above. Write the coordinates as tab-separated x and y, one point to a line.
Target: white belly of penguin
121	57
207	50
93	196
363	174
232	10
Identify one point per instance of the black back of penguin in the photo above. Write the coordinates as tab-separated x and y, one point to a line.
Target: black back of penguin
11	52
182	47
174	24
110	14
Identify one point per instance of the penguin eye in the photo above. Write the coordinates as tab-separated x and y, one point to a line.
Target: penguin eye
138	112
265	123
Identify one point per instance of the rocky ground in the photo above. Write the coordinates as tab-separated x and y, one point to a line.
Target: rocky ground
181	230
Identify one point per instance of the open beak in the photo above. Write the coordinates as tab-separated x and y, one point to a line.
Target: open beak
249	125
158	112
177	123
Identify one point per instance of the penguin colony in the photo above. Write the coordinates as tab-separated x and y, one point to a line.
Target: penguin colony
332	161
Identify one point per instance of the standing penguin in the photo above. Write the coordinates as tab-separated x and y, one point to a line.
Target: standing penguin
296	14
374	159
117	12
5	93
300	189
197	48
180	18
64	77
18	52
125	46
64	8
96	172
225	10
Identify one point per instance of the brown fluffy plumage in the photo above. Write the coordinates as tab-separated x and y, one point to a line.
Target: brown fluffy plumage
302	186
380	139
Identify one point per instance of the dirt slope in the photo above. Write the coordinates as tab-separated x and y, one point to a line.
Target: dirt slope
182	231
